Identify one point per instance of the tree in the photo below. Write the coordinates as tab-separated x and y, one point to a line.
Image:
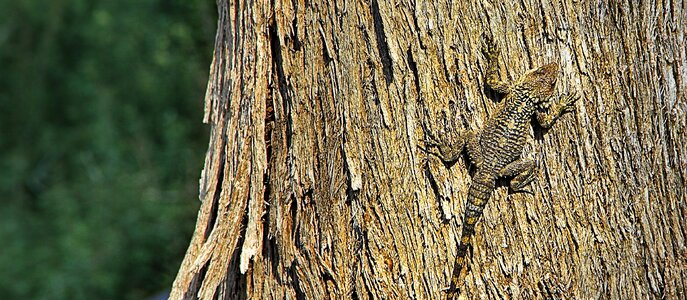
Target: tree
314	186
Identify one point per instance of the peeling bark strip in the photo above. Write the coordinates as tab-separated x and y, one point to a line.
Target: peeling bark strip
314	187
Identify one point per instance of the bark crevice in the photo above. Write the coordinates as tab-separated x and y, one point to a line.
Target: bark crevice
382	45
413	68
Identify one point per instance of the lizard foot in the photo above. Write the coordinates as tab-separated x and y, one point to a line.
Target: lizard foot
489	47
567	102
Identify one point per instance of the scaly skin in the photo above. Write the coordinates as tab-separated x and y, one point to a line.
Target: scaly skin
496	148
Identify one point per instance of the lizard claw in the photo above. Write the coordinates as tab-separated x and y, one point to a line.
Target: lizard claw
489	47
568	101
523	190
431	142
427	149
451	292
430	139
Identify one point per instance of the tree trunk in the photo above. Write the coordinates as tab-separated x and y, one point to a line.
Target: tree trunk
314	185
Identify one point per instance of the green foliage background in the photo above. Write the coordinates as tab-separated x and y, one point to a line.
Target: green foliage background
101	144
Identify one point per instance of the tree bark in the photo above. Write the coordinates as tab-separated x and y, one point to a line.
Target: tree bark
314	186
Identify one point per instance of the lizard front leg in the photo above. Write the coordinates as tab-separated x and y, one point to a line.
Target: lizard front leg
491	50
523	169
550	112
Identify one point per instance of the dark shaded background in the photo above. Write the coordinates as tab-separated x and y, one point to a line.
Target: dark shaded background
101	144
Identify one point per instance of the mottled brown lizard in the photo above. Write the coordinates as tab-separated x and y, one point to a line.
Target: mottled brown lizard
496	149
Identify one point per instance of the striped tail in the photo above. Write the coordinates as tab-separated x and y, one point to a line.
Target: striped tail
480	190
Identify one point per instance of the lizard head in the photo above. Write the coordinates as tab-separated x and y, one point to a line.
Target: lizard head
540	82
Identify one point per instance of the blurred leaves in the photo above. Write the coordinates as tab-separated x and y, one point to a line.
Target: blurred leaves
101	144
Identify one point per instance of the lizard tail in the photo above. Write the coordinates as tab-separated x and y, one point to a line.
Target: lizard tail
480	190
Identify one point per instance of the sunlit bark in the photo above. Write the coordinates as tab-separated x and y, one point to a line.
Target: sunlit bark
314	186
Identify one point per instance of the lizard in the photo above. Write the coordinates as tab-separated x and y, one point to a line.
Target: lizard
496	149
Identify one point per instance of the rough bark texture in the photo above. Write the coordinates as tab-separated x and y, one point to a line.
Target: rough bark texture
314	186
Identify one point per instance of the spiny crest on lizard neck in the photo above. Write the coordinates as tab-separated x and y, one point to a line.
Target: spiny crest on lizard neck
538	84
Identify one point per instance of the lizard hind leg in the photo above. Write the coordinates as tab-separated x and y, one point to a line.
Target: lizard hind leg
448	152
524	170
